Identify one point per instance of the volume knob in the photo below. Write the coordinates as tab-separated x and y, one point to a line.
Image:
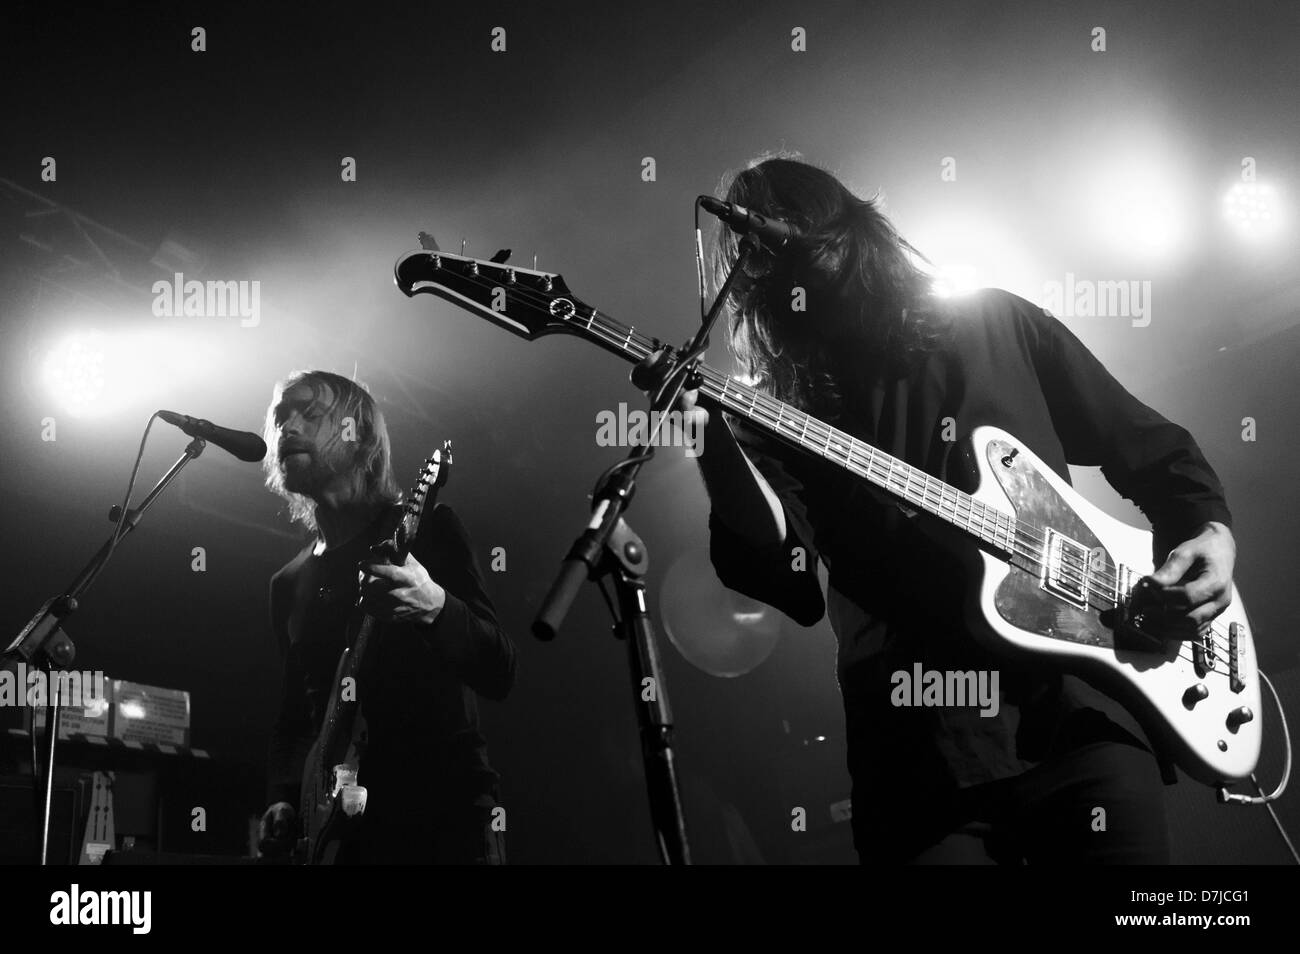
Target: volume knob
1195	694
1239	716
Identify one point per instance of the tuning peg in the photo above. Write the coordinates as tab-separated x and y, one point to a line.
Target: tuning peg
429	243
501	257
463	243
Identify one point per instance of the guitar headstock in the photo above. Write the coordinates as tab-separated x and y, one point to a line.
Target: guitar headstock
433	474
526	301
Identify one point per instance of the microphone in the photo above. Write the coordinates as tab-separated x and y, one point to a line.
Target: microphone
741	220
243	444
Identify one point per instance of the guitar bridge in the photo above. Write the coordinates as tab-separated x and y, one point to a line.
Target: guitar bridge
1066	569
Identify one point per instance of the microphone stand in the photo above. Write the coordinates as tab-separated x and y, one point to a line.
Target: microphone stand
43	643
608	545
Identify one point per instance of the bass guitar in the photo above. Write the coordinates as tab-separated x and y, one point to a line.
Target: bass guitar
1055	577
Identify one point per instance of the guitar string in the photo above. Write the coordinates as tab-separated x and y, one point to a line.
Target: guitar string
621	337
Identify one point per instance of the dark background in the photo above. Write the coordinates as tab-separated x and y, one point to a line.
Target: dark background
1107	165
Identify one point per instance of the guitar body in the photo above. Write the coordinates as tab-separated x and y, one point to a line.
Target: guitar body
1021	611
323	834
1058	581
327	829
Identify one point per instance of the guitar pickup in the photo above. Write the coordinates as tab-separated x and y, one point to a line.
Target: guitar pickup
1125	582
1235	632
1134	602
1066	569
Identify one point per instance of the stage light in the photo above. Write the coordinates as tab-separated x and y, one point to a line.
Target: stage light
1253	210
93	373
967	250
74	372
953	280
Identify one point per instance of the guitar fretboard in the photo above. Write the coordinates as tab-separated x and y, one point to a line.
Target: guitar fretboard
911	485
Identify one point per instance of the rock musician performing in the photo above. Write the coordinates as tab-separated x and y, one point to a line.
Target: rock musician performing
430	791
889	363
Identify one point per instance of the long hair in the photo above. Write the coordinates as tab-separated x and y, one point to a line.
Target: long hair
863	292
371	469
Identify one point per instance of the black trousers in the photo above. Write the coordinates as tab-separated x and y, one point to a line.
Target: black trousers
414	832
1101	803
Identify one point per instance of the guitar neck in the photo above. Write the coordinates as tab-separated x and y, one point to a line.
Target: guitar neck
422	498
900	480
532	303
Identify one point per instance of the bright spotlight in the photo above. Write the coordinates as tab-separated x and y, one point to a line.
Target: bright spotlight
966	250
953	280
1252	209
74	373
101	373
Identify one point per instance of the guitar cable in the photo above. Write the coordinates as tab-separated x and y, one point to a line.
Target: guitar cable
1225	797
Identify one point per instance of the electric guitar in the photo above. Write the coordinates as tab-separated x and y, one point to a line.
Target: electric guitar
332	803
1056	578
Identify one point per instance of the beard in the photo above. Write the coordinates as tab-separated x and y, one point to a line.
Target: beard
307	473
